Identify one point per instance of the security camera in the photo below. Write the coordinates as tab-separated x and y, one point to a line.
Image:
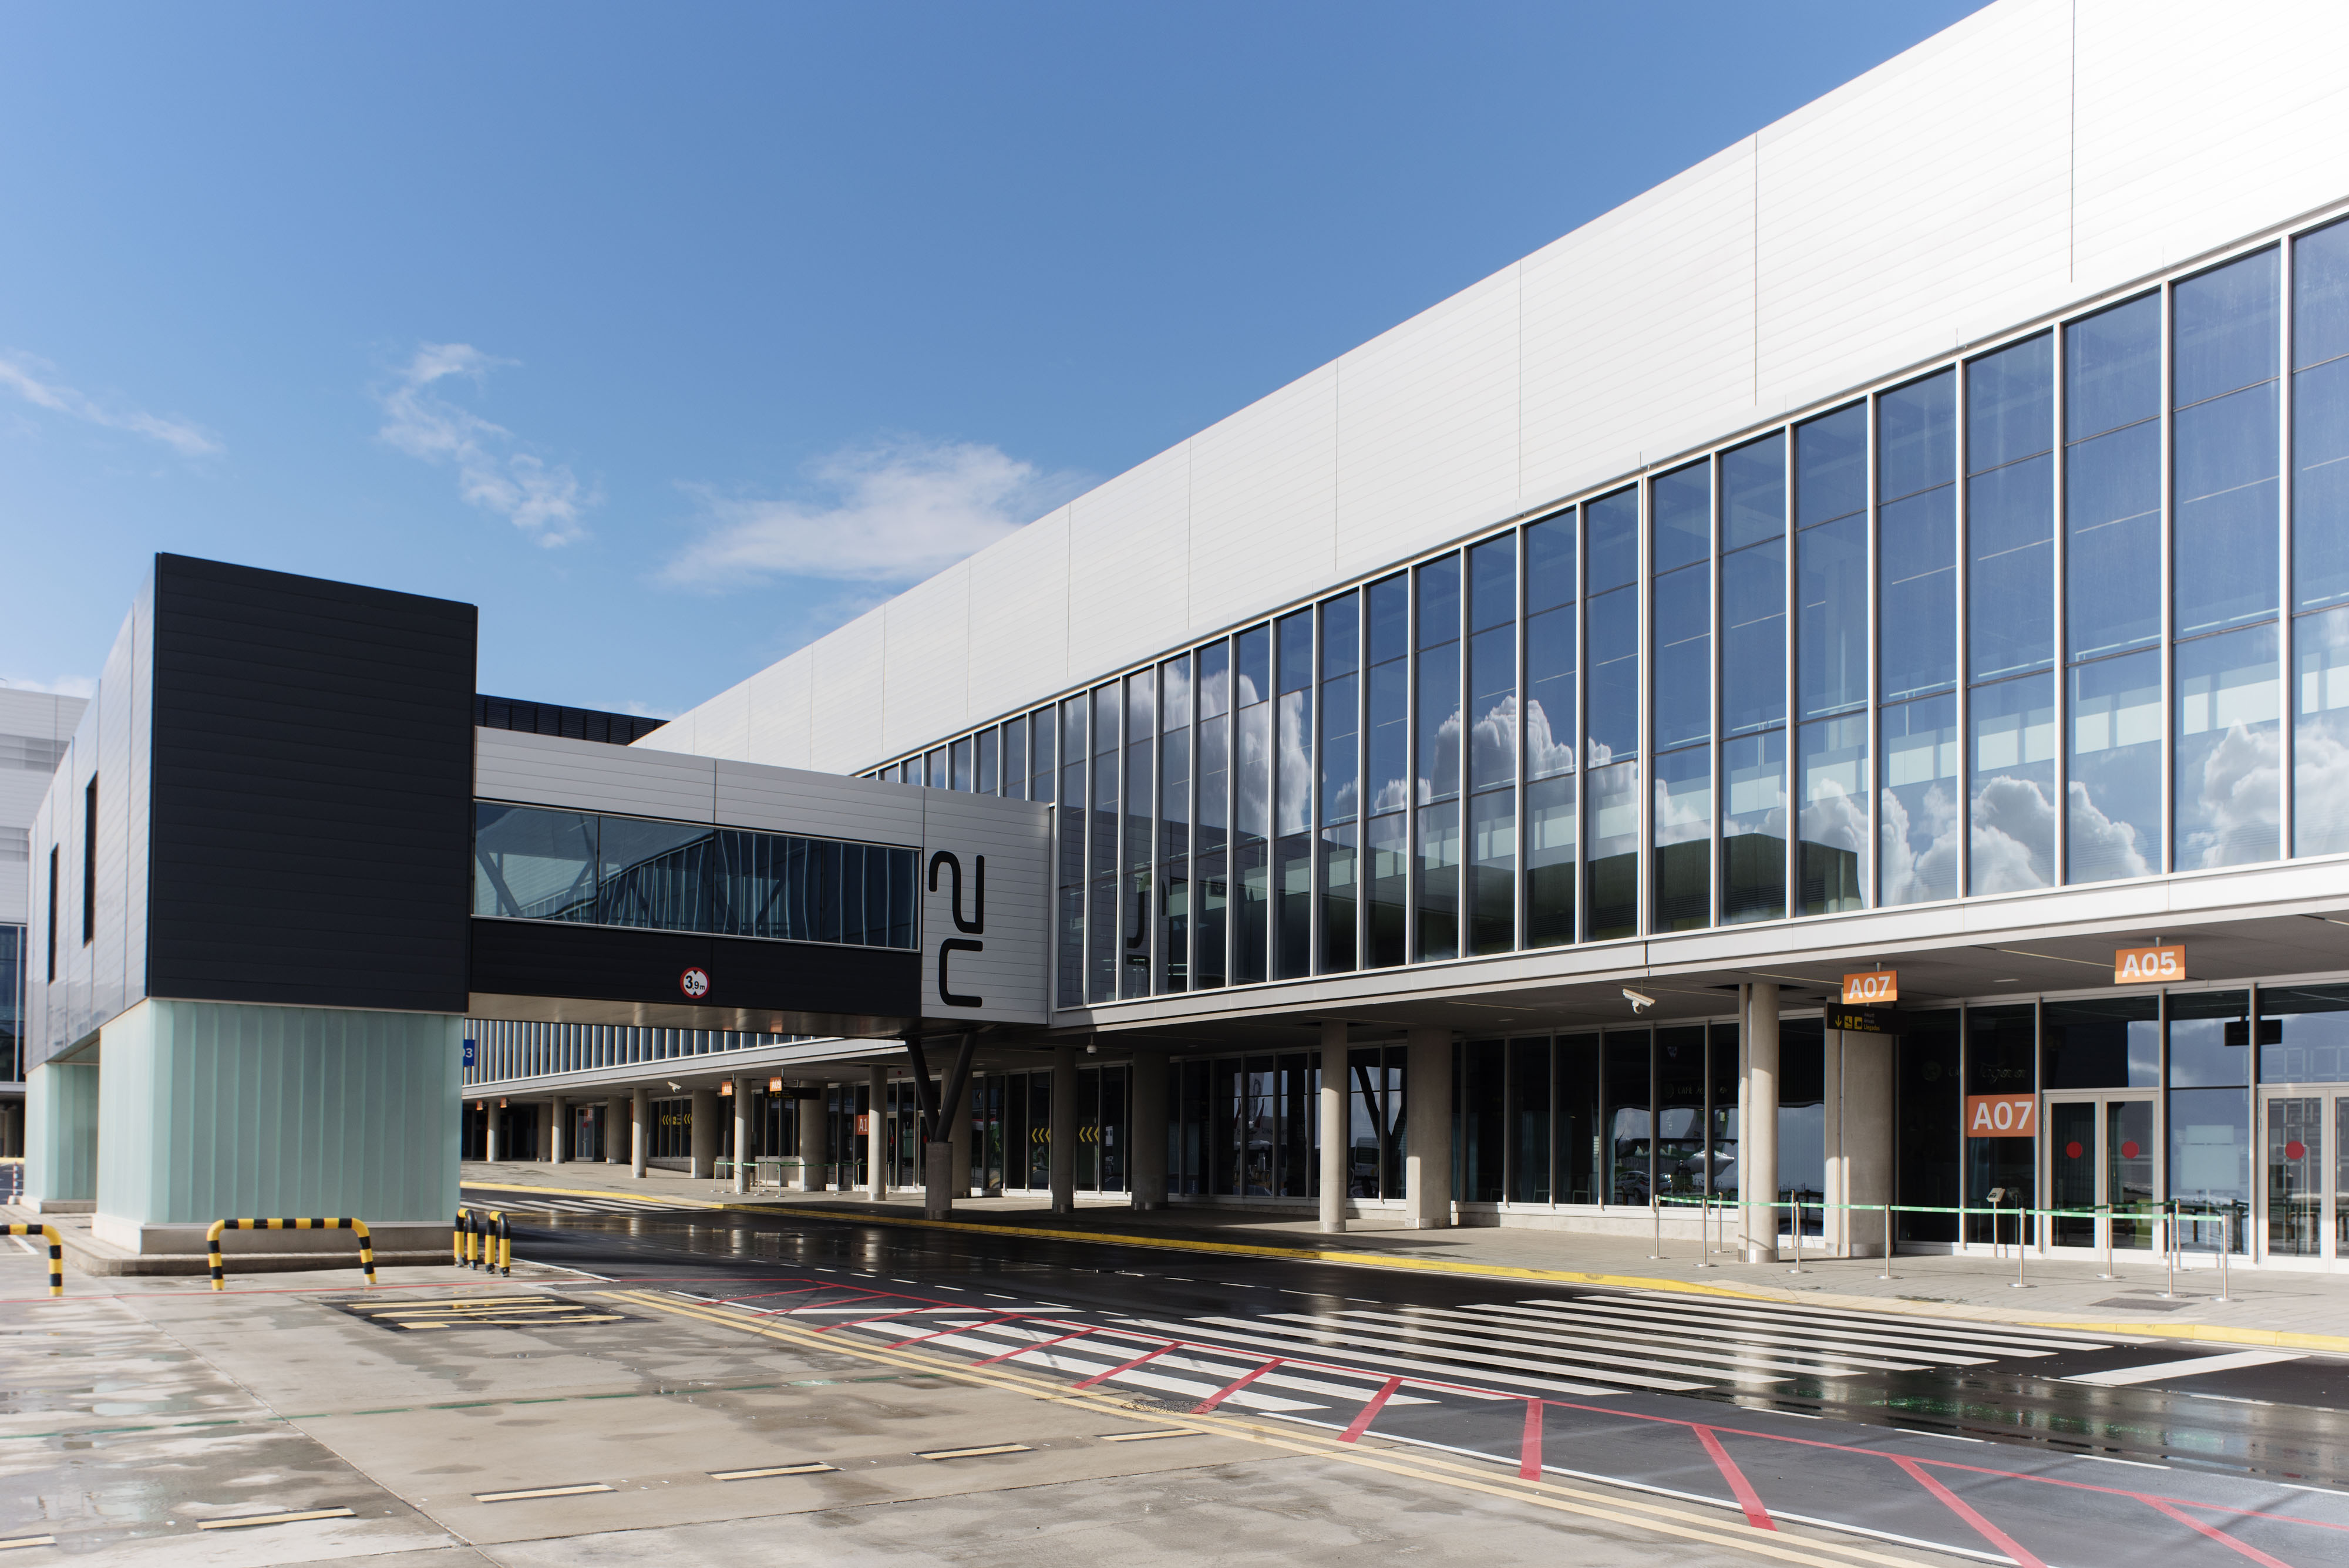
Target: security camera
1091	1048
1638	1003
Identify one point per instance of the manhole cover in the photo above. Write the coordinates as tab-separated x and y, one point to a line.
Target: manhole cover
531	1311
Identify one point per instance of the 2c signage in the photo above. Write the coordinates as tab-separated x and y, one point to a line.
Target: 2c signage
2001	1116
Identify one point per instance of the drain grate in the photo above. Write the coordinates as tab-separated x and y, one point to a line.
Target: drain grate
531	1311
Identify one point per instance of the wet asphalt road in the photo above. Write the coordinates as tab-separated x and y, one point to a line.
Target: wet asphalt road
1967	1438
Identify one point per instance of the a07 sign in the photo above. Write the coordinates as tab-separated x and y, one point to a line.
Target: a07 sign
2002	1115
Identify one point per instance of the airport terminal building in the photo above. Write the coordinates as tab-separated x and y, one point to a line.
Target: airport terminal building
1911	545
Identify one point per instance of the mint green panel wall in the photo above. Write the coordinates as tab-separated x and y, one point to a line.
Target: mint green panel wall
61	1131
214	1110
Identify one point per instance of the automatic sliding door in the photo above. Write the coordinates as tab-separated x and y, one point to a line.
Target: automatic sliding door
2295	1161
2072	1172
2128	1172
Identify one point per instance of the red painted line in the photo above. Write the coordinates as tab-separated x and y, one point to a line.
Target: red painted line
960	1328
2221	1536
1371	1411
1739	1487
1228	1389
1130	1365
1956	1505
1529	1458
1952	1465
1025	1348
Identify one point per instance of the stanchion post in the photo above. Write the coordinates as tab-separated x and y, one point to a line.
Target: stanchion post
2022	1248
1798	1229
1656	1213
2226	1245
1704	1228
1888	1241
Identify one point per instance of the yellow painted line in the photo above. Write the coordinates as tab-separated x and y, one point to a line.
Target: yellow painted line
500	1302
249	1520
2335	1343
1416	1465
1145	1437
539	1491
975	1453
2272	1338
808	1469
28	1541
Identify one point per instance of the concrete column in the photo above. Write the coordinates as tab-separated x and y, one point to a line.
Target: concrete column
703	1150
492	1123
1868	1139
957	1121
616	1132
543	1114
61	1135
1064	1129
1757	1149
1335	1125
1427	1130
812	1117
1145	1156
559	1150
742	1133
1835	1233
640	1131
876	1139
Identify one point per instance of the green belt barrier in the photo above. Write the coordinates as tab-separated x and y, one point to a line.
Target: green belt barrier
358	1227
56	1253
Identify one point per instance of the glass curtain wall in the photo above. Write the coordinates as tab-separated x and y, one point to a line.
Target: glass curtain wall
1435	745
1552	701
2319	542
1386	773
1611	564
1174	824
2056	572
1679	545
2226	799
1341	794
1491	879
1293	798
1251	847
1754	593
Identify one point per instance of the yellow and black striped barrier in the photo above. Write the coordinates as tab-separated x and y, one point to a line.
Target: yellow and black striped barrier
461	1237
220	1271
56	1253
484	1240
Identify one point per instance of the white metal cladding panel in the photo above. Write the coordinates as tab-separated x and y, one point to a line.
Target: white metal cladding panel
1639	331
820	805
844	694
586	775
780	703
42	1020
1007	973
1427	426
140	805
1019	628
1924	203
1263	503
121	799
1129	566
2202	124
46	720
928	693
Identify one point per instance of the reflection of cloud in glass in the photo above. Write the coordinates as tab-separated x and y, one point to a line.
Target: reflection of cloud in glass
2230	818
2320	769
1445	761
2012	816
1255	729
1295	794
1835	819
1493	747
1545	751
1684	806
2099	841
1919	851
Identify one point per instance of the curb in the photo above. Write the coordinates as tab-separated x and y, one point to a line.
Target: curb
2268	1338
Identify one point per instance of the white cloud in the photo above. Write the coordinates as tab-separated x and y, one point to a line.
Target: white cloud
63	686
24	375
893	512
544	500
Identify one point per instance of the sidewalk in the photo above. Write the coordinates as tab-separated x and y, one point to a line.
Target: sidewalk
2271	1307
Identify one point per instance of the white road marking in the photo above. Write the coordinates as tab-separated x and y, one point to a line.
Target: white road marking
2192	1367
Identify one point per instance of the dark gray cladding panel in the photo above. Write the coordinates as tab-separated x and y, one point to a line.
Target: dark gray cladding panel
312	817
602	963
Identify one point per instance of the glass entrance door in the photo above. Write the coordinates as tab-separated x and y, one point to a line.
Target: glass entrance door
2305	1142
2100	1171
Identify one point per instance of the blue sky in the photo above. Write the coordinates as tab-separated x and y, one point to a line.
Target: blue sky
673	337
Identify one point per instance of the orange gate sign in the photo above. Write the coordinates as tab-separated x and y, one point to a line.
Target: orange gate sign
2002	1115
1869	989
2141	966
